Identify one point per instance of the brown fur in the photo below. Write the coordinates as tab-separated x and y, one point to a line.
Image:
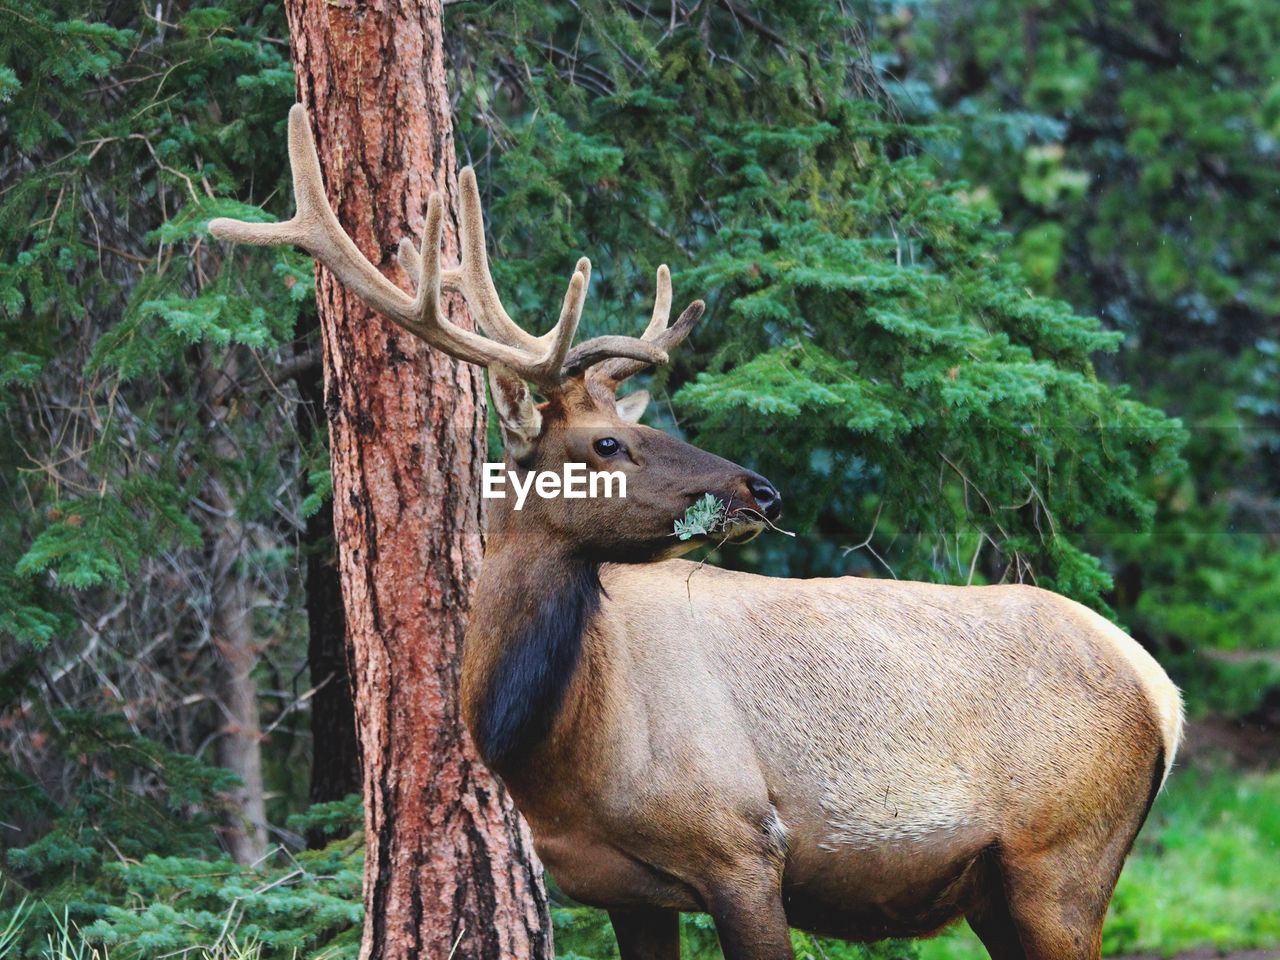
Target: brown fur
930	752
857	757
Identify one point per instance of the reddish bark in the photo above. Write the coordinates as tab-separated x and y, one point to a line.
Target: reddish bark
449	862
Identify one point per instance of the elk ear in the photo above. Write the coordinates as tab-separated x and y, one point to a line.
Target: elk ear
517	413
631	407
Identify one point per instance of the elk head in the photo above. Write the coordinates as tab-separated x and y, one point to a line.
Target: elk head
581	420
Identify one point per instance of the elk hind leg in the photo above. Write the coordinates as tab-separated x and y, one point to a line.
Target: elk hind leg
1058	898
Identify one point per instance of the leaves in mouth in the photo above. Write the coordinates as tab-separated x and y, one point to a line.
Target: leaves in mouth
704	517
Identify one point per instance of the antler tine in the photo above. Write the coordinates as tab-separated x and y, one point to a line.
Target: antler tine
427	319
661	305
472	277
315	228
591	353
545	361
619	367
408	258
560	337
558	358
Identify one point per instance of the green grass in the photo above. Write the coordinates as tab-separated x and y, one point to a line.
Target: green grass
1204	872
68	942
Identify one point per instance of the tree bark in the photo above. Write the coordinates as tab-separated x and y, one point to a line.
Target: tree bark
449	865
239	745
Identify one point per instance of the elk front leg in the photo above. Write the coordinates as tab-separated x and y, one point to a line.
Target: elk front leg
647	933
750	920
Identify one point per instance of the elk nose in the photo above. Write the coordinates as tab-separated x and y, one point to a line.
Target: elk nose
767	497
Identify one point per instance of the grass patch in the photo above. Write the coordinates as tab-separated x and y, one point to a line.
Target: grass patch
1205	872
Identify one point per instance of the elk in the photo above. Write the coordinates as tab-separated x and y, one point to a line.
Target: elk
856	757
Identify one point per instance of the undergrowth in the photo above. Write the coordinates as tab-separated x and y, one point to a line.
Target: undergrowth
1203	874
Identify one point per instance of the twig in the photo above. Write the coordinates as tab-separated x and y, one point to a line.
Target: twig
973	564
297	703
688	586
756	24
845	551
454	949
767	522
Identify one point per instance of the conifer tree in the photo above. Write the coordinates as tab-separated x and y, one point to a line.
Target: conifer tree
145	512
449	866
1133	149
869	343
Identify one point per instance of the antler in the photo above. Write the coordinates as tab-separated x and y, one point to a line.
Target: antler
621	366
544	361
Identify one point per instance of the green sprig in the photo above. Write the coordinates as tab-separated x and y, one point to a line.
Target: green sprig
703	518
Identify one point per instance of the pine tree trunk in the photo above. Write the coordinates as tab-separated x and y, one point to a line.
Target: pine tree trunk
449	865
239	745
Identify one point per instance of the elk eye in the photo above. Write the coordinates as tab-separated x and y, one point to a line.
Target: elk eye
607	446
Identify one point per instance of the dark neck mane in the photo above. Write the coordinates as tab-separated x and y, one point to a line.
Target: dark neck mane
526	687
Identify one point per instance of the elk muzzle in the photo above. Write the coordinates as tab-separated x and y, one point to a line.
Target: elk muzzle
766	496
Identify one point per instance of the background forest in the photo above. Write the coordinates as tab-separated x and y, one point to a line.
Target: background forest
993	292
